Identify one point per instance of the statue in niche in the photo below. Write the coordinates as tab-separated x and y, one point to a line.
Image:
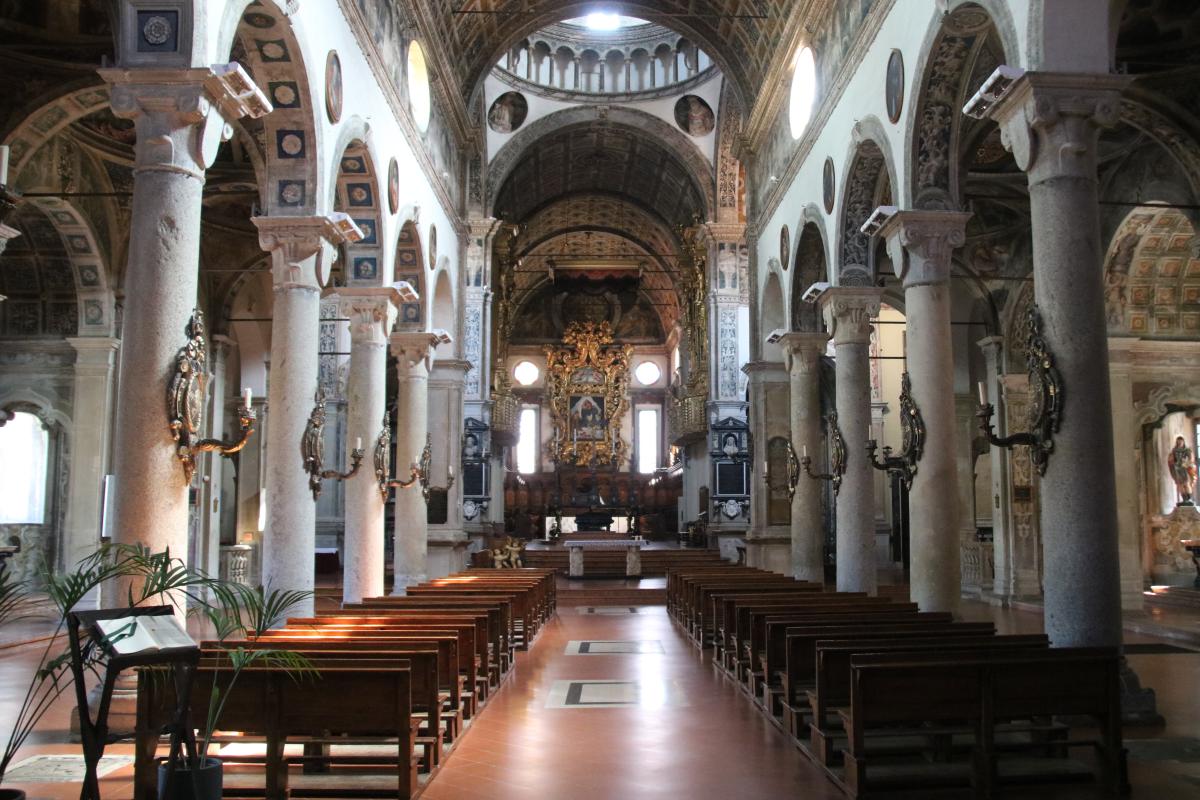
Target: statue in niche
1183	470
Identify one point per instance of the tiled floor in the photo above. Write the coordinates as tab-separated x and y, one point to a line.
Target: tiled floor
660	724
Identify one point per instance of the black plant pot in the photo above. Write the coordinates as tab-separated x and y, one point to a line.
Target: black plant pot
203	783
12	794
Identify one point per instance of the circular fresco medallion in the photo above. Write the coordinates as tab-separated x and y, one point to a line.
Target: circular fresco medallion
785	246
827	185
894	85
694	115
393	186
333	86
508	112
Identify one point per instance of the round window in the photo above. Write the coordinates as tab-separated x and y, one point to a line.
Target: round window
647	373
526	373
418	85
804	91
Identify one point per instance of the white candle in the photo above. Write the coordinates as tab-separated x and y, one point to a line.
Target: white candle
358	443
3	164
804	450
246	395
982	393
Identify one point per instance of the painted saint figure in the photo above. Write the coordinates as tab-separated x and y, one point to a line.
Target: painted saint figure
1183	470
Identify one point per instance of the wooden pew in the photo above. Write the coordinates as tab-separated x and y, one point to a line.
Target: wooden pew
472	643
499	616
356	699
524	611
831	689
921	695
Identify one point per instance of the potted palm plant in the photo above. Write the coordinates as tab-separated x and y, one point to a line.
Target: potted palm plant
143	577
241	612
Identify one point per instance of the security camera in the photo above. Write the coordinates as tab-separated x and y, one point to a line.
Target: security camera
994	88
776	335
345	226
812	293
878	219
442	335
407	293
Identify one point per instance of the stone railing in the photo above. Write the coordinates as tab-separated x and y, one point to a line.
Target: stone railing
505	412
687	419
236	561
978	564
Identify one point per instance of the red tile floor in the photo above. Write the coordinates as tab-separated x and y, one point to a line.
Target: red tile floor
693	735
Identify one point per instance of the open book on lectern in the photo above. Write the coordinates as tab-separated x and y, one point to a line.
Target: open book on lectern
158	633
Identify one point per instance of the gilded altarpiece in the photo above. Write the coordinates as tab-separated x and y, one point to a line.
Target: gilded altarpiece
587	391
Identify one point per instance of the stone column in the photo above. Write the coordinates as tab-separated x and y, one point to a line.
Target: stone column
301	250
803	353
848	313
371	313
413	352
1125	435
768	541
448	540
95	368
1051	122
1002	528
920	244
180	117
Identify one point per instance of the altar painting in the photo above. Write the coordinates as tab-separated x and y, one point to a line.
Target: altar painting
587	418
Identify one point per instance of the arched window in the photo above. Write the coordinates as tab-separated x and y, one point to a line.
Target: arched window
25	448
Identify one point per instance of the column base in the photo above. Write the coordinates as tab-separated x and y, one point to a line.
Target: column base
1139	704
402	582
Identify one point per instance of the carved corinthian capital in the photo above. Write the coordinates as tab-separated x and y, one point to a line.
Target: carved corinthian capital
848	312
920	244
371	312
1051	121
802	352
182	115
301	248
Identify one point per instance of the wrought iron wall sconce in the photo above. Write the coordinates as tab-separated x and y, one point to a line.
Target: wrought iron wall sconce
417	472
186	399
912	427
837	457
312	447
1045	402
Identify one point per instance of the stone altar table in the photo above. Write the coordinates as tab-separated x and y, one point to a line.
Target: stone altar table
633	554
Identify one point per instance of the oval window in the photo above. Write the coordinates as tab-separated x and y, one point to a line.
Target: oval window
647	373
526	373
804	91
418	85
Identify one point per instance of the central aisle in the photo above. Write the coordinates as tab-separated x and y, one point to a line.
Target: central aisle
652	721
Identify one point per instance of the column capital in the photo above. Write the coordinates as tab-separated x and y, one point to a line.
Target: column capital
371	310
221	345
449	372
848	312
301	248
992	347
7	234
94	354
182	115
1050	121
920	243
413	349
802	351
765	371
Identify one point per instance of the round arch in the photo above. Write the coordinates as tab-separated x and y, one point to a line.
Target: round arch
408	264
810	264
632	120
356	192
265	41
772	313
868	180
442	310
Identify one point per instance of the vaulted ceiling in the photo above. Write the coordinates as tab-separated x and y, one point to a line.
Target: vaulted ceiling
596	158
743	36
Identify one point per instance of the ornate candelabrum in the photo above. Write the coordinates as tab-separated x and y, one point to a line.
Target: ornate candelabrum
1046	401
312	447
837	457
186	398
912	427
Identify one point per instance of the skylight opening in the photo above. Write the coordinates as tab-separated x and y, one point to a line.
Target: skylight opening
602	21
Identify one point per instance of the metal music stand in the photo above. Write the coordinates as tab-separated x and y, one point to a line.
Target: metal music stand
94	732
